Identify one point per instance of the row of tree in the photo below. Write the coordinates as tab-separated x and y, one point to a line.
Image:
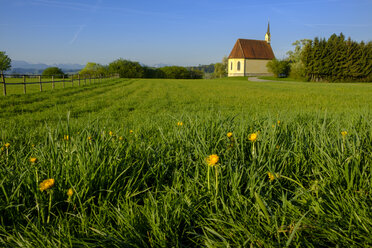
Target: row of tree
335	59
129	69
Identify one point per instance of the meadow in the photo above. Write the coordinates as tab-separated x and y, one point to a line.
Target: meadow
128	164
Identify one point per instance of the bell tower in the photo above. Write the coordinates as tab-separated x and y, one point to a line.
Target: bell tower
268	35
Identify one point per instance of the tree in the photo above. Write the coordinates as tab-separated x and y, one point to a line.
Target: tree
220	69
280	68
53	71
126	68
94	70
5	62
297	67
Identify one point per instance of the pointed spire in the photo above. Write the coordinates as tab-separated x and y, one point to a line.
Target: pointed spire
268	35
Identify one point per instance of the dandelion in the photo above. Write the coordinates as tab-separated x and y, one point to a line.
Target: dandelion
179	123
33	160
120	138
65	137
277	146
253	137
272	125
7	145
70	192
212	160
131	131
278	122
32	145
111	133
271	176
343	133
46	184
229	134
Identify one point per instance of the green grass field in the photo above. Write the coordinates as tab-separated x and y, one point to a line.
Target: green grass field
136	177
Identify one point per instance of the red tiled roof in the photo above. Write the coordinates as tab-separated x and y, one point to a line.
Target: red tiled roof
252	49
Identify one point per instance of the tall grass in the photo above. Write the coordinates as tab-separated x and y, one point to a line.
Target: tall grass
140	180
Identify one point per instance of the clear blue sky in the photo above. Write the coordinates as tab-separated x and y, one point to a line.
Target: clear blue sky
177	32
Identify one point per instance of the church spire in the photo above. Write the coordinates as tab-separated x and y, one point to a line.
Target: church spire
268	35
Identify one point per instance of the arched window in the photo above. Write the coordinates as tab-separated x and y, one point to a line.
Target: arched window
238	66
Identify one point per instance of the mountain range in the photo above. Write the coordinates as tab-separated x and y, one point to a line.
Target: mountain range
40	66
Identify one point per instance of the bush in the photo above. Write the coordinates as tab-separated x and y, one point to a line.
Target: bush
280	68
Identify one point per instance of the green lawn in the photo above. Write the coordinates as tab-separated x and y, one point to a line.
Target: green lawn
140	179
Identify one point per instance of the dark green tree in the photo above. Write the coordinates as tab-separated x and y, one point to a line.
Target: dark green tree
176	72
53	71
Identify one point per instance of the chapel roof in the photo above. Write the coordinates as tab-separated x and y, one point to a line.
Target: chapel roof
251	49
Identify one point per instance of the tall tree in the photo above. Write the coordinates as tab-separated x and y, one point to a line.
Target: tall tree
294	57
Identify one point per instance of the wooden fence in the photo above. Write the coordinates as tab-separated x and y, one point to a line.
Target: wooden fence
38	79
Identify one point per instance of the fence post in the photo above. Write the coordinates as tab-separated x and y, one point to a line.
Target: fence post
63	80
53	82
24	84
41	85
4	84
79	79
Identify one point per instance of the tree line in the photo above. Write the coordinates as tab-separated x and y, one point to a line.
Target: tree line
335	59
130	69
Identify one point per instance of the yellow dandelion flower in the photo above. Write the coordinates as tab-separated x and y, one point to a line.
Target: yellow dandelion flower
32	145
65	137
344	133
229	134
253	137
277	146
7	145
2	148
272	177
120	138
272	125
278	122
89	138
111	133
131	131
46	184
179	123
33	160
70	192
212	160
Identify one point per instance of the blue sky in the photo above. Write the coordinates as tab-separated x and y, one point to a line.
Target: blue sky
177	32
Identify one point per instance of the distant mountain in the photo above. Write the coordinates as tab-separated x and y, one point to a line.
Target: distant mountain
160	65
23	67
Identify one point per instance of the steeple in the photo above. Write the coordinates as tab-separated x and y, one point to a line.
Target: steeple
267	35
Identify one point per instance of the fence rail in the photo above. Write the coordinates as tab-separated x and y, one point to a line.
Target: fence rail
38	79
